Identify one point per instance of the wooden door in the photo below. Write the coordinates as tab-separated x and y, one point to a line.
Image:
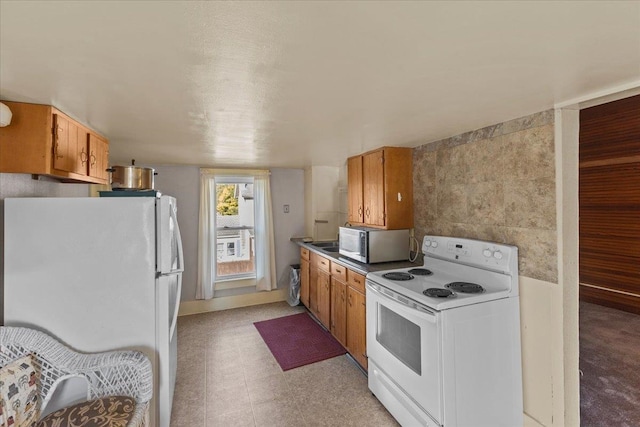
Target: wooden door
98	156
61	129
354	188
324	298
609	197
373	187
313	290
356	326
304	282
80	160
339	310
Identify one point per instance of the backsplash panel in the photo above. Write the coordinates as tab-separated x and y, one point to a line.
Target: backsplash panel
495	183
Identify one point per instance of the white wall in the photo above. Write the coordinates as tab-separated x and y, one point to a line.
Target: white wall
183	183
287	188
22	185
323	215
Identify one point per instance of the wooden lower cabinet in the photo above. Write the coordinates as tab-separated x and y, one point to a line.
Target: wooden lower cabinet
335	296
339	310
324	298
304	282
313	290
357	326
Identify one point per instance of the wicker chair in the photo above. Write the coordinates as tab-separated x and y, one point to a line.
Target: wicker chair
112	373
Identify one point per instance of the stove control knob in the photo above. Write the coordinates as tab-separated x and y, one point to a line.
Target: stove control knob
486	253
497	255
434	244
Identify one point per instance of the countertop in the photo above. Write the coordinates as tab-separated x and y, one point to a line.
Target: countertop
359	267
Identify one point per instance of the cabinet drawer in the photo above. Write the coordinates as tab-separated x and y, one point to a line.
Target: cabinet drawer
320	262
304	253
355	280
339	272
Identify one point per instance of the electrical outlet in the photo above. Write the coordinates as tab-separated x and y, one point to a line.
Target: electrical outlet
285	208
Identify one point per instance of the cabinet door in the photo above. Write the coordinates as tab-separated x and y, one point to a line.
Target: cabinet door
61	142
373	185
354	187
98	156
304	282
324	298
80	159
356	326
313	290
339	310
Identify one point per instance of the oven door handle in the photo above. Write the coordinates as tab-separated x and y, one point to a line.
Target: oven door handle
405	302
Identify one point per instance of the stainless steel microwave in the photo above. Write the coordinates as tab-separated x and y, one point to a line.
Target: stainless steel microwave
371	245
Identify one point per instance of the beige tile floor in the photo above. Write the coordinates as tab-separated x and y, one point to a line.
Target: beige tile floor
228	377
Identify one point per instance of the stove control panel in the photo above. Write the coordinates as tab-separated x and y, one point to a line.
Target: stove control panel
473	252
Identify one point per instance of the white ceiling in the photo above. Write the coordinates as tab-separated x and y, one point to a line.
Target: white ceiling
291	84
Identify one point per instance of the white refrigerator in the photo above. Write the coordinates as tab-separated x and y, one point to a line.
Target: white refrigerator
99	274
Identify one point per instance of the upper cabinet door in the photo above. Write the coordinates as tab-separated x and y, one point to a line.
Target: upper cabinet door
98	156
373	182
61	138
81	158
380	184
354	176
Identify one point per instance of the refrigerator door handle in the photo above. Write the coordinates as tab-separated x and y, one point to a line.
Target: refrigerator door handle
179	270
174	320
172	213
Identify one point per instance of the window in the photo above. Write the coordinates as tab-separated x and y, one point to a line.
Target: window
234	232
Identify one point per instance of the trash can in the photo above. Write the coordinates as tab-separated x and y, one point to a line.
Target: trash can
292	274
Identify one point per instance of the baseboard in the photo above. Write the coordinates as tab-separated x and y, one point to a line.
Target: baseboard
235	301
613	298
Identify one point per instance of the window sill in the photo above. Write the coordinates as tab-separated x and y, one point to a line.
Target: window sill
235	283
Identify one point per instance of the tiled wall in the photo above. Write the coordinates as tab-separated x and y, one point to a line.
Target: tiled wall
495	183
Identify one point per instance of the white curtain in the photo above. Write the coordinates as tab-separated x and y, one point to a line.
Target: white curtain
206	238
264	241
265	247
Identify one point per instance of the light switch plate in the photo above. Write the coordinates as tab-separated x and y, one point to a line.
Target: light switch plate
286	208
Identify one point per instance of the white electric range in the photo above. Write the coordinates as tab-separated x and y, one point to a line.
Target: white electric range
443	340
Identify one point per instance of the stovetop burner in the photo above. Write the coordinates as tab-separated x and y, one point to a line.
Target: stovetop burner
465	287
397	275
420	272
438	293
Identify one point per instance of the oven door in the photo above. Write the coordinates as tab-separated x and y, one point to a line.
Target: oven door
403	341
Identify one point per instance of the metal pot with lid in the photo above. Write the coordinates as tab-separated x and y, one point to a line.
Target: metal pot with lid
132	177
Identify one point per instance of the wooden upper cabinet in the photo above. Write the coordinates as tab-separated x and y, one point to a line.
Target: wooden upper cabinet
381	182
354	189
42	140
98	156
373	186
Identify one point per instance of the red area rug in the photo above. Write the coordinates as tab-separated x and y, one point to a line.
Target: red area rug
297	340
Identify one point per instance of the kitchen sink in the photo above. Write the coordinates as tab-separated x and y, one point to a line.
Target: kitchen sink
326	245
331	249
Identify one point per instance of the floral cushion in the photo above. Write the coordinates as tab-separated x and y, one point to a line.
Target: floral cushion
114	411
19	399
